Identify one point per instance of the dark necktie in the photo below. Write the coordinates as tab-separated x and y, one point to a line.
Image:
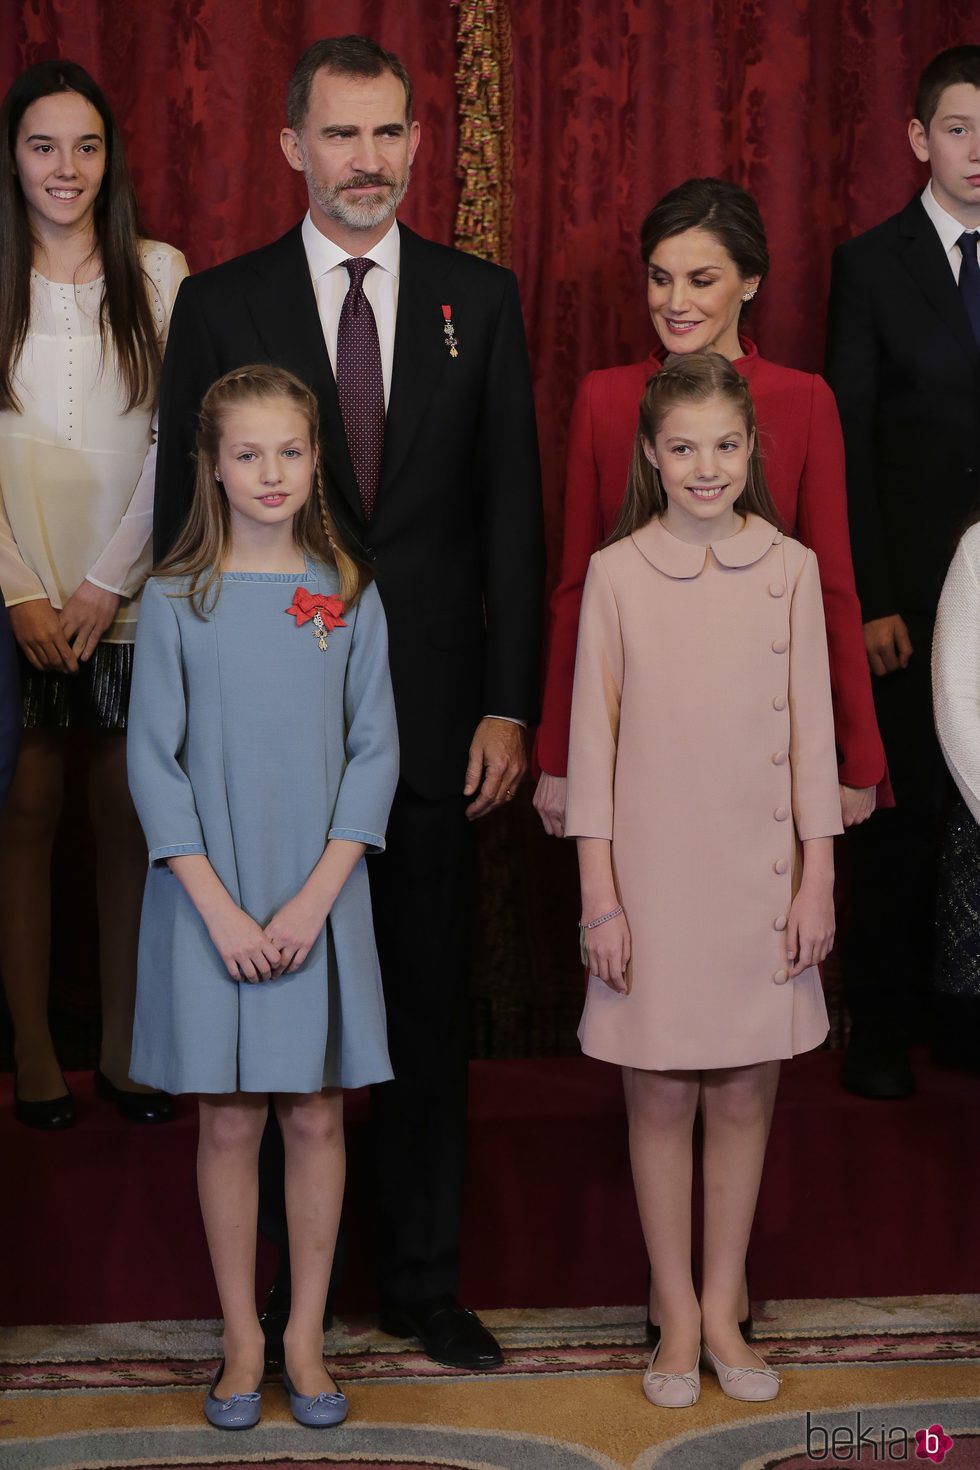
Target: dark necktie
360	385
970	281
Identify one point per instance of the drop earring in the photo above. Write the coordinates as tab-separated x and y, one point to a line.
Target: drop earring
749	294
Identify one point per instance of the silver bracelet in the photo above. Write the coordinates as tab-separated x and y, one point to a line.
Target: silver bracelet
594	924
603	918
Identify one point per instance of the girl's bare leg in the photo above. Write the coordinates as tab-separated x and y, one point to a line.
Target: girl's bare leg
27	829
313	1138
662	1108
737	1103
653	1309
228	1186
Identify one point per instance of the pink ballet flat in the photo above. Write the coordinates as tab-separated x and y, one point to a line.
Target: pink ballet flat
671	1390
750	1385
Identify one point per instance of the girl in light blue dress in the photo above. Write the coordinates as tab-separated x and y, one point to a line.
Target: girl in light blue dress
263	759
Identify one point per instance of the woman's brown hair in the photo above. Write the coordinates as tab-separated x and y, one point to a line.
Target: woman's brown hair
722	209
125	316
205	539
692	377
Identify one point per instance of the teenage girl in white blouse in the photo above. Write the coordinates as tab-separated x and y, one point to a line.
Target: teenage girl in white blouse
84	308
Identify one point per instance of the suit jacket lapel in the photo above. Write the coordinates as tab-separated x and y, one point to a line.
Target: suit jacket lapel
420	353
287	319
926	260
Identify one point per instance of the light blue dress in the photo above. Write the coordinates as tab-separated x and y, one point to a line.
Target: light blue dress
249	743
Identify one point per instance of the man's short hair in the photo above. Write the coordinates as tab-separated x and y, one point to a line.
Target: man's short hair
958	64
346	56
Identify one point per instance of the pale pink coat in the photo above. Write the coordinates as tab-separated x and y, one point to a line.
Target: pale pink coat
702	745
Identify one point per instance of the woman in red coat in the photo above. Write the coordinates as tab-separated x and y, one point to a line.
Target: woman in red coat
705	250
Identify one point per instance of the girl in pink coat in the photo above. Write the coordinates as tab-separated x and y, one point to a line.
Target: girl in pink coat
702	790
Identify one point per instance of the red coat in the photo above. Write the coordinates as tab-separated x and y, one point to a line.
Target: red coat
803	454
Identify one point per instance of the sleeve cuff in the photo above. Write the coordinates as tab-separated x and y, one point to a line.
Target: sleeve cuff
176	849
119	591
372	840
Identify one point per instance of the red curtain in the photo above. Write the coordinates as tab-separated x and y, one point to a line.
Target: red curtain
199	88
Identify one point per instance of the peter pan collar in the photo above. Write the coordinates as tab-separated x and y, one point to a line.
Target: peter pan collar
680	559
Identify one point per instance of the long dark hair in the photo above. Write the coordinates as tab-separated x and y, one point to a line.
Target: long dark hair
203	544
690	377
724	210
125	316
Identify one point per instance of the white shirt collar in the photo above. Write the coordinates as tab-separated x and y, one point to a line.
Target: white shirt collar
948	229
323	255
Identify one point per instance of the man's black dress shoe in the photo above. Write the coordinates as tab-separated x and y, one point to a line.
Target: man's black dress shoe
51	1113
273	1319
449	1333
880	1071
135	1107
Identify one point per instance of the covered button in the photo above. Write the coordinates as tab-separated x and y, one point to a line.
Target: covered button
776	589
780	977
781	813
779	702
780	757
779	645
780	865
779	924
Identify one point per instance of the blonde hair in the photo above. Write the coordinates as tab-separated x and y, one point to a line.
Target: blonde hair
690	377
205	538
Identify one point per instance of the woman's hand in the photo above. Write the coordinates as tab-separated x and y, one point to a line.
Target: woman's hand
810	931
295	929
856	804
549	803
246	951
608	949
39	632
87	616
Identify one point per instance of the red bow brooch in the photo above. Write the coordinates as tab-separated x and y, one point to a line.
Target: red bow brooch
323	612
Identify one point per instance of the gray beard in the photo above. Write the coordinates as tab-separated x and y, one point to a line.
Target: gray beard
358	214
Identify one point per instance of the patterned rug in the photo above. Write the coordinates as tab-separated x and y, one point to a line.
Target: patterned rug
864	1382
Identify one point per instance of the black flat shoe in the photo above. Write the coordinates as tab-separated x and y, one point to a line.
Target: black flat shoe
449	1333
51	1113
135	1107
745	1327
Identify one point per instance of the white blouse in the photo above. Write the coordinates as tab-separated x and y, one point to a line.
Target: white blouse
77	470
956	669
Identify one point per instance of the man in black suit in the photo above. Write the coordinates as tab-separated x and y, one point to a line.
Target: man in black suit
903	358
418	357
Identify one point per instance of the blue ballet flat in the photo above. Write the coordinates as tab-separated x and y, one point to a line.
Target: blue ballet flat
318	1412
240	1411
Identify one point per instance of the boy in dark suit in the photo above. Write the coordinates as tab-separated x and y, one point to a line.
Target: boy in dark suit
903	358
417	355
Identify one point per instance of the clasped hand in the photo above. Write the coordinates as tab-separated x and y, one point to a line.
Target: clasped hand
252	953
55	642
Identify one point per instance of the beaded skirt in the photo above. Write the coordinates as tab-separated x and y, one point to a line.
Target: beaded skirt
96	698
956	978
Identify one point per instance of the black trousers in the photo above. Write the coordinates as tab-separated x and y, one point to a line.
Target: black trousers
421	893
887	954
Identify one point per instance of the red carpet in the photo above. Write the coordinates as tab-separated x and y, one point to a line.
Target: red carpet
859	1198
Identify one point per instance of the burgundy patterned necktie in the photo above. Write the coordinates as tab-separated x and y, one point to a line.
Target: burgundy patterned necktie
360	385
